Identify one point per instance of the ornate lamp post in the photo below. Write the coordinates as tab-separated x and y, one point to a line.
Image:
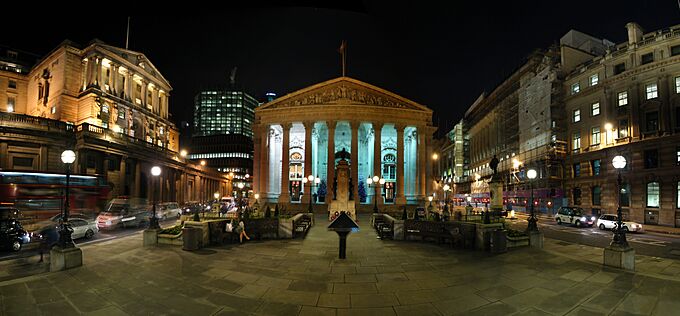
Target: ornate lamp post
313	182
153	221
446	188
531	174
619	240
216	195
65	240
375	182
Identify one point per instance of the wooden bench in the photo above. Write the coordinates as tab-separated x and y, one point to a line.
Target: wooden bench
302	226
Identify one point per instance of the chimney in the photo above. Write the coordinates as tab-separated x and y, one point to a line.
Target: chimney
634	33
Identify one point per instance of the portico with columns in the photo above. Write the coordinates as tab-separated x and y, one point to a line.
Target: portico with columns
308	131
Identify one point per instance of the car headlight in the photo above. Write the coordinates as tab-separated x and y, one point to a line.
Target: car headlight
583	219
592	218
108	223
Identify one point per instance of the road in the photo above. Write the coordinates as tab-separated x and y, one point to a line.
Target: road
31	249
649	244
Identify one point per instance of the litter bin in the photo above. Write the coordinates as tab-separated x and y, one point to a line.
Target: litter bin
191	238
498	242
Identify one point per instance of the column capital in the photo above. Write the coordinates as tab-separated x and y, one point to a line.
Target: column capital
331	123
286	125
308	124
354	124
399	127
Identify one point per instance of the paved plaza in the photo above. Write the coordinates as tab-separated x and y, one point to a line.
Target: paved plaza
304	277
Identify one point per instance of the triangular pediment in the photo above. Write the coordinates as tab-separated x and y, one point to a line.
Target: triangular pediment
136	58
343	91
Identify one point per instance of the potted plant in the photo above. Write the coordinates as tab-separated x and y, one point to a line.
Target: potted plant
322	191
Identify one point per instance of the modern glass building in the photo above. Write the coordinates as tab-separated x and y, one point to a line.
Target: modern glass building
222	112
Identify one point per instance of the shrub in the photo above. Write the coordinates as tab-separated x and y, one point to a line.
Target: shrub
175	230
515	233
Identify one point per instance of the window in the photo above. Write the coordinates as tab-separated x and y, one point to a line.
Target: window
576	142
596	195
12	54
595	136
652	121
593	80
677	117
121	113
675	50
651	159
22	162
677	84
12	84
11	102
647	58
595	109
575	88
677	194
623	98
596	167
577	170
653	194
54	109
624	197
651	91
623	128
576	192
577	116
619	68
677	153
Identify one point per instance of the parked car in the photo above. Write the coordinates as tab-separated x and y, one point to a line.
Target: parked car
608	221
83	228
121	213
12	234
168	209
575	216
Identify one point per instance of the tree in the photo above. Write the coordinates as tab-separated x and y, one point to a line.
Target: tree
404	216
276	211
268	212
362	192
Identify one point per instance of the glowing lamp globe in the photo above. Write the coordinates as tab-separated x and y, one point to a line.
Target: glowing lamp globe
376	178
68	156
619	162
531	174
156	171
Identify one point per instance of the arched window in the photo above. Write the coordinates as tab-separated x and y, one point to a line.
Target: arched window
653	194
389	167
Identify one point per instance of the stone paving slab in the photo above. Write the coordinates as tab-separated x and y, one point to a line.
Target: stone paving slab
379	277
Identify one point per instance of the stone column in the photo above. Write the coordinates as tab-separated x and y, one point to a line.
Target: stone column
138	175
264	161
309	125
98	72
143	96
377	160
114	80
400	198
422	164
121	176
257	152
128	86
330	167
354	167
3	156
44	157
285	168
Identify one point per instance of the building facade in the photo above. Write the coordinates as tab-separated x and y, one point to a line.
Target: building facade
306	132
578	107
223	133
108	104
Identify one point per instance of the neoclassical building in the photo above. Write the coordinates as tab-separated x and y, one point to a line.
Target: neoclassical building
308	131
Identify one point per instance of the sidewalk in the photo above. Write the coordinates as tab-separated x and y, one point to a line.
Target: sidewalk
379	277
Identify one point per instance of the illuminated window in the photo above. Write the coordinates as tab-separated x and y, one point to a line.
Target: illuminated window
677	84
576	142
11	102
54	109
623	128
593	80
653	194
596	167
651	91
577	116
595	136
623	98
595	109
575	88
678	196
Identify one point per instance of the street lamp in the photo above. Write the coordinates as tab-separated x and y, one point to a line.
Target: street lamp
153	222
531	174
65	240
375	182
313	182
619	240
217	196
446	188
183	153
257	196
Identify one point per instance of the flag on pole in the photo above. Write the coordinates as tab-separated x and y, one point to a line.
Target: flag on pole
343	49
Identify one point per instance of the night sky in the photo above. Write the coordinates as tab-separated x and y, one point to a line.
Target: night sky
440	57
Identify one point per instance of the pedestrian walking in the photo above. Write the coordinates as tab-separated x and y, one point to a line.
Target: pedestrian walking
48	238
242	231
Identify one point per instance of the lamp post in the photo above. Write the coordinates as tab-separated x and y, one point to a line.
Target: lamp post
217	196
446	188
375	182
619	239
65	240
153	221
313	182
531	174
257	196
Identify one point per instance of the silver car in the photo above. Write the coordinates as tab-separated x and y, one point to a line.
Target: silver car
83	228
608	221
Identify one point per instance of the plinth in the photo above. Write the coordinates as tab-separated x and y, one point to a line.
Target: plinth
65	258
620	257
150	237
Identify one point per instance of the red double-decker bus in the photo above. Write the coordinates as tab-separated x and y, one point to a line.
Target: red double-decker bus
40	195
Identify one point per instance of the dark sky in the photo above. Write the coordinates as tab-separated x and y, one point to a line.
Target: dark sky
438	56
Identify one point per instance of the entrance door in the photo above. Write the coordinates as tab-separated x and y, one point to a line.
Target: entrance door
295	190
652	217
389	192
